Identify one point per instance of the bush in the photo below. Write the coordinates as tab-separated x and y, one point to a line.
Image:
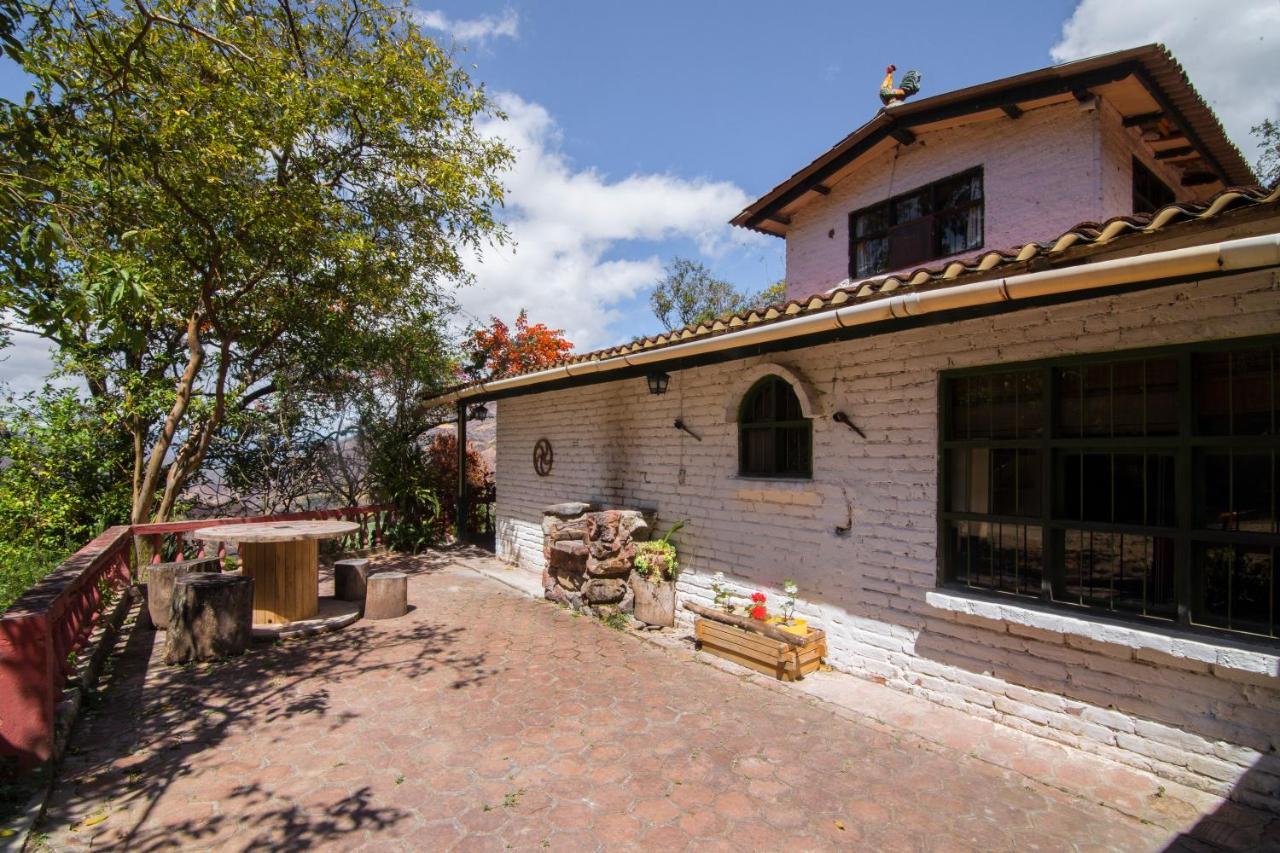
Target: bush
64	477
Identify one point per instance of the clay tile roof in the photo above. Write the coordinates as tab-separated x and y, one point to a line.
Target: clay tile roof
1086	238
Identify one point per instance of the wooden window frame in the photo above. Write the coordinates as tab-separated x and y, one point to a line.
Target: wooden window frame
1188	448
933	218
774	428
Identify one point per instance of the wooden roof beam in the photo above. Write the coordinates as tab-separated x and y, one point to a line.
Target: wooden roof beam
1174	153
780	218
821	189
1011	110
1199	179
902	135
1143	118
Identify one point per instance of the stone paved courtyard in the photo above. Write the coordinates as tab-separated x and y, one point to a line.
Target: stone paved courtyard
487	721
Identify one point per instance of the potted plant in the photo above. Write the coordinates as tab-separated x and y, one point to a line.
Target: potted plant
782	646
788	621
653	581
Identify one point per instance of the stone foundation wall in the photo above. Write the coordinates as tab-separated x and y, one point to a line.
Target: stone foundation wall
861	537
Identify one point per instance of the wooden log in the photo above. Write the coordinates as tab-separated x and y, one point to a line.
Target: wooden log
350	578
160	578
748	624
386	595
210	618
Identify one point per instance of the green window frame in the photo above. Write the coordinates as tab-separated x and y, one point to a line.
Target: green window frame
1140	484
775	439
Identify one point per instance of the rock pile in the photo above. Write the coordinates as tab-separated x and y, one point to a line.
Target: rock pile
589	555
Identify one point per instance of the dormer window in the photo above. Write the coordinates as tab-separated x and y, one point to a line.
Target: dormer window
934	221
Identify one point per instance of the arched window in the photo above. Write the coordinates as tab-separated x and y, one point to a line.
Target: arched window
775	439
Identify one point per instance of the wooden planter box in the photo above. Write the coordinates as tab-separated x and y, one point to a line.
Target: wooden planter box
772	657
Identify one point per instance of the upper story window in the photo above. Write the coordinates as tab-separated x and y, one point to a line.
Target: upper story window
775	439
1149	192
934	221
1144	485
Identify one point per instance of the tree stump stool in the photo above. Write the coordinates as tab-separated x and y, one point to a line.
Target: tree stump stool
160	578
386	595
350	578
210	617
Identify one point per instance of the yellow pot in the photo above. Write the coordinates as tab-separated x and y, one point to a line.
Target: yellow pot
799	627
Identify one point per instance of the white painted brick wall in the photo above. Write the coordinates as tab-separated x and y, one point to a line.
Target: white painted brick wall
1197	723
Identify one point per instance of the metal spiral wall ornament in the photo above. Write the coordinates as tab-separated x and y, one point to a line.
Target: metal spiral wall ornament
543	457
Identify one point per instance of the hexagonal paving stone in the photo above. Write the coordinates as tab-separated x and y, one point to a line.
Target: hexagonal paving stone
483	720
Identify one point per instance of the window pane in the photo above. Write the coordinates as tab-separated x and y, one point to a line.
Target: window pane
873	221
1119	571
1070	403
1251	392
980	407
757	450
1128	398
1211	376
1144	489
1097	401
957	425
1004	557
958	191
960	231
786	402
1162	396
1030	404
793	451
1086	487
1237	588
872	256
1251	501
911	207
1004	405
968	487
1236	491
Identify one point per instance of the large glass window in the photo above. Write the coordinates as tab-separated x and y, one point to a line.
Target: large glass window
775	439
1141	484
934	221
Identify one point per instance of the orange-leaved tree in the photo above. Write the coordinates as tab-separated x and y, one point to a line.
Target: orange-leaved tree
500	350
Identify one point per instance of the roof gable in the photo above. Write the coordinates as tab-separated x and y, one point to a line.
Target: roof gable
1145	84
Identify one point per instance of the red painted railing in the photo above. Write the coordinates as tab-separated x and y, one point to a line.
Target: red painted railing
51	622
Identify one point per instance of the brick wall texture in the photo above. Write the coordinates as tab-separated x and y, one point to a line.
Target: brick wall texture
1043	173
1195	723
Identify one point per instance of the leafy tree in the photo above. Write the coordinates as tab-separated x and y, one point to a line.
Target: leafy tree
1268	168
241	200
64	478
689	294
498	350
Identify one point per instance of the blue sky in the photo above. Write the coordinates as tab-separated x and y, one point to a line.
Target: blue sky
642	128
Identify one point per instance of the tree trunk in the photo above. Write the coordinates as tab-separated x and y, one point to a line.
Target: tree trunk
211	617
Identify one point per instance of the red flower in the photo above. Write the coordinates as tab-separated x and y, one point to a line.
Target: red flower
757	597
758	612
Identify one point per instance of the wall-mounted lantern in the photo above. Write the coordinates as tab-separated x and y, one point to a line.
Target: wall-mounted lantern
658	382
479	413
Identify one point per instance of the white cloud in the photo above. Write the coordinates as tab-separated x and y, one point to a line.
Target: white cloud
568	225
1231	51
26	363
471	29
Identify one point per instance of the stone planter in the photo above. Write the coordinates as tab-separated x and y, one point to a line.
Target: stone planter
655	602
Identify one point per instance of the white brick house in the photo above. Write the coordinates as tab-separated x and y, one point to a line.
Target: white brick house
1052	494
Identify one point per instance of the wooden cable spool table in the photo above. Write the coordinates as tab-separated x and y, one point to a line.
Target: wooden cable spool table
283	560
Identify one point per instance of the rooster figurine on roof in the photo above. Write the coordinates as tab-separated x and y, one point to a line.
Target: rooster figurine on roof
891	95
